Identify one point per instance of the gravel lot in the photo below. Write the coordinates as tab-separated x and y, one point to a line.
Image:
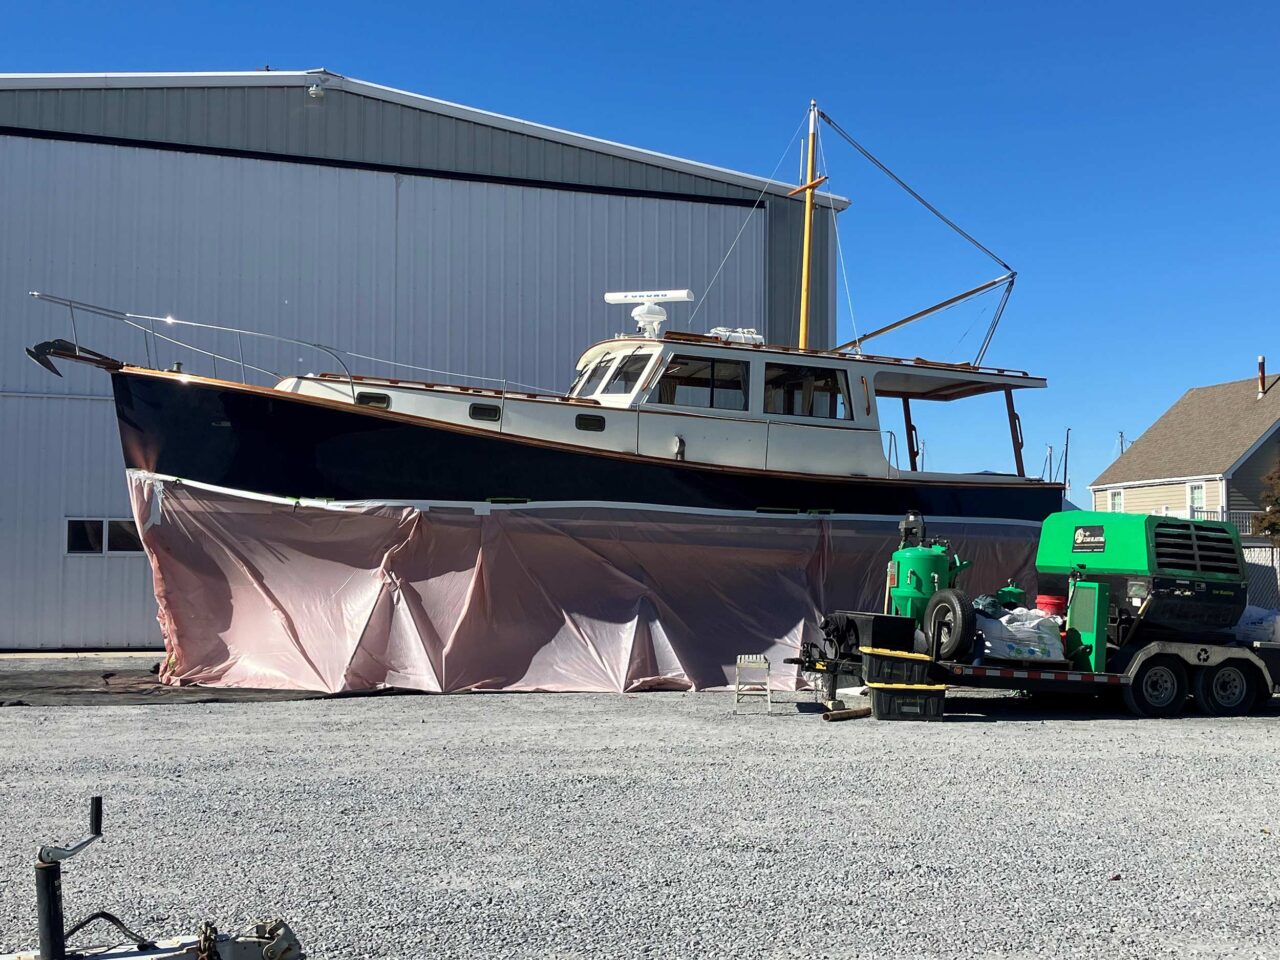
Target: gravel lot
654	825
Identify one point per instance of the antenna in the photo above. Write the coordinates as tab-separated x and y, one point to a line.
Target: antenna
648	315
1066	453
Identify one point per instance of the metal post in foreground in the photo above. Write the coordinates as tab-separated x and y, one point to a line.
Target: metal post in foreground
49	919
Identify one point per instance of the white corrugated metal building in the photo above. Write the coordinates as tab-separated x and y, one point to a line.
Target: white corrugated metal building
315	206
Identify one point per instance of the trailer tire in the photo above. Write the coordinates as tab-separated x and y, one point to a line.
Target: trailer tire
1227	689
1159	688
950	623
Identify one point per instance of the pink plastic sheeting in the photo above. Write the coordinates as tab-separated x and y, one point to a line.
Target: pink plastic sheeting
275	595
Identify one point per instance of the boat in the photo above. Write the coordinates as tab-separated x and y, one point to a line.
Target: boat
704	422
720	421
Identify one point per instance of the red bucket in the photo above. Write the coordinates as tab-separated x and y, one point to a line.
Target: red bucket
1055	606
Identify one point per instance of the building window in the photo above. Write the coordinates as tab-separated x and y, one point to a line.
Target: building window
84	536
627	374
704	382
796	391
1195	499
122	537
1115	501
96	536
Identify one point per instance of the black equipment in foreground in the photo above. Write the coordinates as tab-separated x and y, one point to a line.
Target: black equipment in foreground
272	940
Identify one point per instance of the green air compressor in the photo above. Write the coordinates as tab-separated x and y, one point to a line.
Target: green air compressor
1168	578
922	586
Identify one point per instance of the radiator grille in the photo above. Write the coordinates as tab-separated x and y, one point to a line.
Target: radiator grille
1196	548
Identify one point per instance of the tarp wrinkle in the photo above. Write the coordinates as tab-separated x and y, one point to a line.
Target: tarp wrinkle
345	597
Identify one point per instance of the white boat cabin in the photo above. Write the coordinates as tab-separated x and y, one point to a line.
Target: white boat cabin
726	399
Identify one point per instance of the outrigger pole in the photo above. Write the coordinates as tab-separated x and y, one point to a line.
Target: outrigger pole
1008	279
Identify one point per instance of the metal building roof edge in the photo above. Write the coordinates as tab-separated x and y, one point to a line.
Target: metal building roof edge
328	79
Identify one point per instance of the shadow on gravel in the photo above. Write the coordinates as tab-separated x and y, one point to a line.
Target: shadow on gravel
975	708
963	708
125	687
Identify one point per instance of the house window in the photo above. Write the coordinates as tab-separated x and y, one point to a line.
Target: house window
796	391
96	536
1195	499
704	382
1115	501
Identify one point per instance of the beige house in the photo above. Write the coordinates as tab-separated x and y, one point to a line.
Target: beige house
1205	457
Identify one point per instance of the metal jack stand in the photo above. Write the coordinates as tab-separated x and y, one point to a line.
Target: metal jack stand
269	940
53	936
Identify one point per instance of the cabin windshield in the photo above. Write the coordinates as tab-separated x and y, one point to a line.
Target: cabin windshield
591	376
612	375
627	374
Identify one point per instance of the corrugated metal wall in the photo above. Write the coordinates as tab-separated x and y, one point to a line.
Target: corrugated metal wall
271	114
481	278
343	126
62	459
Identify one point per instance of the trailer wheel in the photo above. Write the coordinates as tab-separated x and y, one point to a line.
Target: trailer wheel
1159	688
950	623
1229	689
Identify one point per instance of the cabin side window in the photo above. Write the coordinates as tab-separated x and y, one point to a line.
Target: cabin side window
792	390
703	382
627	374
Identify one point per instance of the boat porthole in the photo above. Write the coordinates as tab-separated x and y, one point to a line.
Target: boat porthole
591	422
379	401
486	411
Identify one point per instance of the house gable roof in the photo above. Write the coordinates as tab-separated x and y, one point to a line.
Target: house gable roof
1204	434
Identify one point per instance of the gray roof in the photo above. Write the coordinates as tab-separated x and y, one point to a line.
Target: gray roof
1204	434
395	129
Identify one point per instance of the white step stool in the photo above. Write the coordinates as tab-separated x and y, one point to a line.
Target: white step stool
751	663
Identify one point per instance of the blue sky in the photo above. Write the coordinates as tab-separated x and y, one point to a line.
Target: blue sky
1123	157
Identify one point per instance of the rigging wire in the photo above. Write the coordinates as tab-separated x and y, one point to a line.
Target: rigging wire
835	228
876	162
903	184
969	329
747	219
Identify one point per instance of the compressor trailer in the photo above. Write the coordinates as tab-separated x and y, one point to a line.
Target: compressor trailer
1151	605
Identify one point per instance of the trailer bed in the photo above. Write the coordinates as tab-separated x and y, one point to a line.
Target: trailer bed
1014	677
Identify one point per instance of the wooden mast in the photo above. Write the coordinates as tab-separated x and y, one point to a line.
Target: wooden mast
809	187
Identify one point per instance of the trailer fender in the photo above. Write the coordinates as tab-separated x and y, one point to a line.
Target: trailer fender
1197	655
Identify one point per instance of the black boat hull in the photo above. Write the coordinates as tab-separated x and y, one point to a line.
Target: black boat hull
265	441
